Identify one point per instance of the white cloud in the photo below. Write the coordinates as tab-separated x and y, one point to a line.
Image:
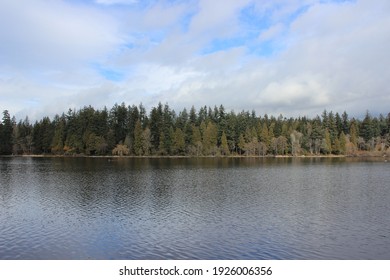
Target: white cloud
53	34
334	55
344	44
216	19
333	61
272	32
296	92
160	15
22	96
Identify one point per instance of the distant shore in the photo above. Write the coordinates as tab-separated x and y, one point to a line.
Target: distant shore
360	155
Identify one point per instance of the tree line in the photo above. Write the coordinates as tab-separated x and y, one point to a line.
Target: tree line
130	130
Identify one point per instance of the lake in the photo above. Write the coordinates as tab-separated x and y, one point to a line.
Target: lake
194	208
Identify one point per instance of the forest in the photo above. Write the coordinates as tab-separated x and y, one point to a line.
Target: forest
131	131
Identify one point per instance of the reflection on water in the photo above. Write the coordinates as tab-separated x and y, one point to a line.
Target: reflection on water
206	208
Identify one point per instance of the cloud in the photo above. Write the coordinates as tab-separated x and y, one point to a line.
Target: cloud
345	44
53	34
216	19
296	91
272	32
294	57
335	58
161	16
22	97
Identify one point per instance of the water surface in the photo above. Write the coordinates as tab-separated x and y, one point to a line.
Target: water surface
207	208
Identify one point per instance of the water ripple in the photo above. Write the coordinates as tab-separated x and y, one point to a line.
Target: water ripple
193	209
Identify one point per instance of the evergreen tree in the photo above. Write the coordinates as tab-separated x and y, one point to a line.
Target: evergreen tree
193	118
332	128
324	122
221	122
265	137
326	146
366	128
146	144
196	141
43	132
224	145
133	115
138	145
156	121
6	134
343	143
74	133
161	147
382	125
178	142
353	133
339	124
129	130
271	131
57	146
316	135
210	139
22	137
118	121
345	123
336	148
242	144
282	145
143	117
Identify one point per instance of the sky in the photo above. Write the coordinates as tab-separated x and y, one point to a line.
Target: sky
289	57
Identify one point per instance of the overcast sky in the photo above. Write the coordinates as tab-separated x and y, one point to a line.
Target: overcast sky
290	57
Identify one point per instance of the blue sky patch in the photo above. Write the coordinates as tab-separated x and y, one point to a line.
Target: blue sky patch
109	74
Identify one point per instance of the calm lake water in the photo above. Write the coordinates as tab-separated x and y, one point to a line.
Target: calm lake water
231	208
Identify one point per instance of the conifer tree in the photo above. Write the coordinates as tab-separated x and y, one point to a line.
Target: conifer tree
242	144
208	132
343	143
366	128
57	145
224	145
353	133
6	134
178	142
326	143
264	137
196	140
138	145
146	144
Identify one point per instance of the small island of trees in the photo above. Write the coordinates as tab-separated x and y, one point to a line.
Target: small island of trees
131	131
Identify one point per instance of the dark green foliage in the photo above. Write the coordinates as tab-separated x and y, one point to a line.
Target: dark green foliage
57	146
130	130
367	128
138	139
6	129
22	137
156	120
43	132
118	121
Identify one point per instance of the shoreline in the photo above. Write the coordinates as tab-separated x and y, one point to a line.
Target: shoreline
361	155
